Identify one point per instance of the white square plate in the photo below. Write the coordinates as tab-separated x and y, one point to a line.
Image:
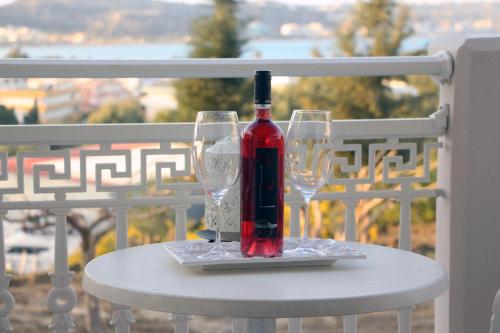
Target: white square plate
187	253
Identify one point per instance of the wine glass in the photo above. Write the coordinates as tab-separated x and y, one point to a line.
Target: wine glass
217	162
307	161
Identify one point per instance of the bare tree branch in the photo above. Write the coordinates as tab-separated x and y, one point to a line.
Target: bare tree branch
77	221
104	214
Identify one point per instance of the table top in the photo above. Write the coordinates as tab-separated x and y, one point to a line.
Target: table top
147	277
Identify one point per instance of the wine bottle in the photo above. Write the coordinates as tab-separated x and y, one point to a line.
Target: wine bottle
262	149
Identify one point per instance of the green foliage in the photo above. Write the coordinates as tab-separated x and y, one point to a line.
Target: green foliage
76	118
166	116
7	116
31	118
152	222
374	28
214	36
423	103
284	102
129	111
217	36
16	52
381	24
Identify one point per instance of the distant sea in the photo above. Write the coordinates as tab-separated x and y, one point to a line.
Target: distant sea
279	48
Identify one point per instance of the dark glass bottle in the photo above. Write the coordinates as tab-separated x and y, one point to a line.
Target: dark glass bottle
262	150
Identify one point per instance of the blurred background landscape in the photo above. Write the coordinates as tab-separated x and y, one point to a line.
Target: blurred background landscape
146	29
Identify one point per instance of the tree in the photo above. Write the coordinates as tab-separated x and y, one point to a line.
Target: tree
7	116
374	28
31	118
214	36
129	111
16	52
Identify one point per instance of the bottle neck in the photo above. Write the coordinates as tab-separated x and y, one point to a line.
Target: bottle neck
263	111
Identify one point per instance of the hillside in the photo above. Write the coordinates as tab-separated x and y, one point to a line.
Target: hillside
139	19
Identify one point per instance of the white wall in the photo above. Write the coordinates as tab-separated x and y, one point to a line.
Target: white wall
468	217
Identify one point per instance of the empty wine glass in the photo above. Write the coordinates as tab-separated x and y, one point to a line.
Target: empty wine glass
307	160
217	161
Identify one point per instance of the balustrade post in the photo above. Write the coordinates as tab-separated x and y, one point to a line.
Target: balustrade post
350	220
294	325
181	217
404	314
122	318
121	227
61	298
6	297
181	320
295	202
350	322
261	325
405	224
404	320
239	325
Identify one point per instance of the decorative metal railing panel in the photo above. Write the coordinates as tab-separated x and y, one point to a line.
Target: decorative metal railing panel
117	166
63	167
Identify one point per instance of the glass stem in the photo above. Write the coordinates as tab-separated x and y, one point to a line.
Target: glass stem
217	197
218	221
306	218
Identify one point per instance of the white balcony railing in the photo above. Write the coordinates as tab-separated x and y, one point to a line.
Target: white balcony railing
113	166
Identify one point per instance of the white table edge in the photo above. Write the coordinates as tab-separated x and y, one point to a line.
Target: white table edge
239	308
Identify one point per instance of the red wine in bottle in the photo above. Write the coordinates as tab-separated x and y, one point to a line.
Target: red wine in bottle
262	150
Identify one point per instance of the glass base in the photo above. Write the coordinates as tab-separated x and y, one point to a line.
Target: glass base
217	252
304	247
302	252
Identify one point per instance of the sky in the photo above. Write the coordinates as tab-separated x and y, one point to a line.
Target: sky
318	2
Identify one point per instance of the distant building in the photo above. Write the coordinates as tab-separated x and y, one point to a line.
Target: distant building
310	30
13	83
55	102
289	29
95	93
483	25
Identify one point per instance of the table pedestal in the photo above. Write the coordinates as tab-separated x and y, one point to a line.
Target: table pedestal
254	325
261	325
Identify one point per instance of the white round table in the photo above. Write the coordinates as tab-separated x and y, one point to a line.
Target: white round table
147	277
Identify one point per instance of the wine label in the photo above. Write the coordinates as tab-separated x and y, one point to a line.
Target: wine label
266	192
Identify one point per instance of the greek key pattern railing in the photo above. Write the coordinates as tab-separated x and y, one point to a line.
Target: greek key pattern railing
63	167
